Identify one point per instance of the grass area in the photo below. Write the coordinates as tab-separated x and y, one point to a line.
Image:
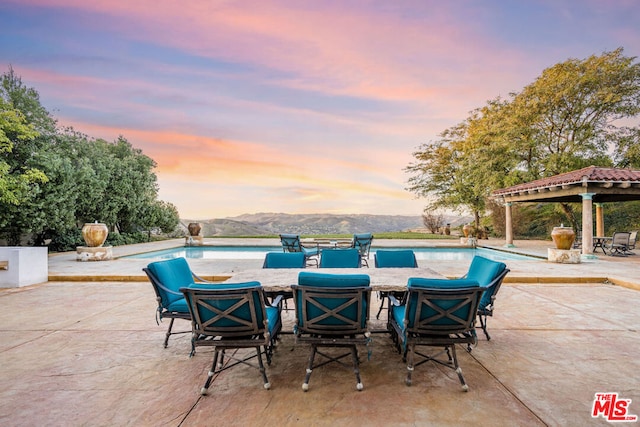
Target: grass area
390	235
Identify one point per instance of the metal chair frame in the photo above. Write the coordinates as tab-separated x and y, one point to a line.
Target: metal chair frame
323	323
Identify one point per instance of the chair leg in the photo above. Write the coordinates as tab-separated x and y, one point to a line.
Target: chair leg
305	385
458	369
483	325
212	371
409	353
263	371
166	338
356	367
382	298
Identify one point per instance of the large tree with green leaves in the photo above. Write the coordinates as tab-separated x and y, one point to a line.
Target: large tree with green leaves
577	113
53	180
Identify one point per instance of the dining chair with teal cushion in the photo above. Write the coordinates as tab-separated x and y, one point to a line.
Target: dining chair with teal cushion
489	274
437	315
332	312
393	258
167	277
292	243
340	258
233	316
284	260
362	242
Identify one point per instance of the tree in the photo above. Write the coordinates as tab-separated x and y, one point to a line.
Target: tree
432	220
572	116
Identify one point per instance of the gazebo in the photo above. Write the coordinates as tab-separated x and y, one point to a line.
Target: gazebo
590	185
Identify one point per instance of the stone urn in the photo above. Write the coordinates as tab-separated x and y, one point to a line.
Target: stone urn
467	229
194	228
447	230
563	237
94	234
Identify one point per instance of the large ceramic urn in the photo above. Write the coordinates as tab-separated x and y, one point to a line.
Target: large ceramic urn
194	228
563	237
467	229
95	234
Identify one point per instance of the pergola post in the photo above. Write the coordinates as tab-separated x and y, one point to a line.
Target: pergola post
508	229
587	224
599	220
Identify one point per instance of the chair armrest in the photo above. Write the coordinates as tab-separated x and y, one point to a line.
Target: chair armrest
200	279
277	301
394	301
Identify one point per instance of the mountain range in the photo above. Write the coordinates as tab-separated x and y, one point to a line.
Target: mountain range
304	224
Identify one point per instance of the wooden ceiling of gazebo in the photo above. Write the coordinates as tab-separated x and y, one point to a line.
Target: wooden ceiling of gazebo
606	185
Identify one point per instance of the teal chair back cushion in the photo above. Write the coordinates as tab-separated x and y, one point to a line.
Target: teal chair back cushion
484	271
172	274
284	260
340	258
291	242
242	313
331	281
362	242
425	311
395	259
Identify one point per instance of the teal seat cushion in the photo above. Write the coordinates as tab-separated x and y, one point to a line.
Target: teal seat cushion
484	271
395	259
178	306
172	274
397	312
272	316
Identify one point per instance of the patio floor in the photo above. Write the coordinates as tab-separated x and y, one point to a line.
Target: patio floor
78	352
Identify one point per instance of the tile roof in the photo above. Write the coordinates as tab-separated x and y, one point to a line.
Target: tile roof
592	174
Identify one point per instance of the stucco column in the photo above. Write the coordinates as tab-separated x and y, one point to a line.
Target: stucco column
599	220
508	229
587	224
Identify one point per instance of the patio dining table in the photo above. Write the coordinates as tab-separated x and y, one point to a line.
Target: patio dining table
275	280
600	242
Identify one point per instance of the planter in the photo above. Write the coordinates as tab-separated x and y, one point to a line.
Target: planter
95	234
194	229
563	237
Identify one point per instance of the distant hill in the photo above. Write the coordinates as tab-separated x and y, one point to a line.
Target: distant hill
260	224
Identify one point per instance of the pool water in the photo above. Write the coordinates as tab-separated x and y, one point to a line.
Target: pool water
259	252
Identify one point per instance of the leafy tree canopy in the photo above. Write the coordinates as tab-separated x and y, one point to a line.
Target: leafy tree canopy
577	113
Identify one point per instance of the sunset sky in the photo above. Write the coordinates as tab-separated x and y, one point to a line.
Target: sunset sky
290	105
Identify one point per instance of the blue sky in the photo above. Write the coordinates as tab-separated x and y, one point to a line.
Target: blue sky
292	106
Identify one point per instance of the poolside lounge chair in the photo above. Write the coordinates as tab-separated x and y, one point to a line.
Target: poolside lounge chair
291	243
632	242
438	313
489	274
167	277
332	311
619	245
393	259
233	316
340	258
362	242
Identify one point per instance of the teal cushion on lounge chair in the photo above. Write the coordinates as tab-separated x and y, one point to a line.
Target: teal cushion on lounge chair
484	270
172	274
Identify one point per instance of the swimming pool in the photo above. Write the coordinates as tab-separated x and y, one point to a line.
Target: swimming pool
259	252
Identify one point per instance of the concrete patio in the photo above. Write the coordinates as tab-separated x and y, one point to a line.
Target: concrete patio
84	349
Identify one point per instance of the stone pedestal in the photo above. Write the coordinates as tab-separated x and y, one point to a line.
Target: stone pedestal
564	256
90	253
469	241
193	241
